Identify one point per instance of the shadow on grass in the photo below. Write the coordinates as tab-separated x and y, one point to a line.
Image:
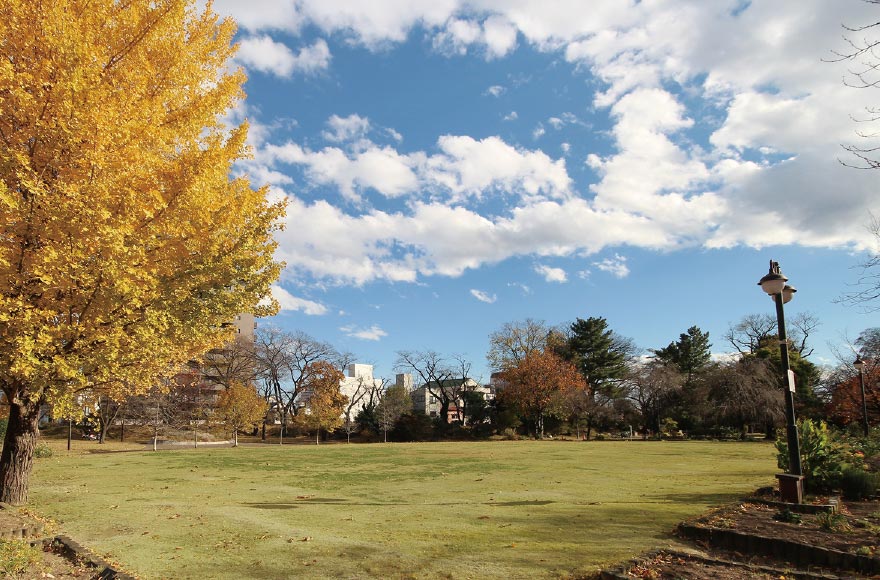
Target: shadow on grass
272	506
700	498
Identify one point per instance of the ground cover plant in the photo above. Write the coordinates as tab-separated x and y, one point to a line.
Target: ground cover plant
431	510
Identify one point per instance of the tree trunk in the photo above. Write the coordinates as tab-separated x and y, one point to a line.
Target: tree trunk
234	437
17	458
263	436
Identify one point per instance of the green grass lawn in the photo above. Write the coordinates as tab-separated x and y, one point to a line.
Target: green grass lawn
429	510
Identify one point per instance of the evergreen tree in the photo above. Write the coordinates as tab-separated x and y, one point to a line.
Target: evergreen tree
597	352
806	374
690	353
600	356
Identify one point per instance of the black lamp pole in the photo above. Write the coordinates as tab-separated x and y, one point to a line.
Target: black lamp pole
860	364
774	285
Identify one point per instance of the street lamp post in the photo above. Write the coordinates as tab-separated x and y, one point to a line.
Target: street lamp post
791	484
860	364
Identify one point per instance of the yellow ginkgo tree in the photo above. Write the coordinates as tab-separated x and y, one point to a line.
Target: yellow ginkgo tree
125	242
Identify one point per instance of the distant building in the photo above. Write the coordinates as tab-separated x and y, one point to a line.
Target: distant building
429	404
357	379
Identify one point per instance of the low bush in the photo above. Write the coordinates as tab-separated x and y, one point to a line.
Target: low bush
787	516
857	484
822	458
832	522
42	450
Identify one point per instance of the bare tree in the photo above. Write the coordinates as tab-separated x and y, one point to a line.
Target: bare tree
753	330
235	363
285	364
745	393
512	342
866	289
393	403
366	390
651	386
442	378
863	73
746	335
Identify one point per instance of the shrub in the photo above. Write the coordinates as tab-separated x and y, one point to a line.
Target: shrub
42	450
787	516
858	484
412	427
822	459
18	557
832	522
3	423
510	434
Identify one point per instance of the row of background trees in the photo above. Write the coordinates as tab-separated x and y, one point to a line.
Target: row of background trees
582	379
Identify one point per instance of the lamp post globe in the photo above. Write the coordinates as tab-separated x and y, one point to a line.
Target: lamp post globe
774	282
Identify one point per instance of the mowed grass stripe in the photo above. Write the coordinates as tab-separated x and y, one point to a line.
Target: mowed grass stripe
431	510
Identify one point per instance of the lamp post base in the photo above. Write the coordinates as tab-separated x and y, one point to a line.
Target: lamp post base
791	487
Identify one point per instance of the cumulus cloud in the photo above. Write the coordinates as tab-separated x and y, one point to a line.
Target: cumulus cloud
346	128
616	266
463	167
289	302
551	274
496	36
264	54
374	332
484	296
774	126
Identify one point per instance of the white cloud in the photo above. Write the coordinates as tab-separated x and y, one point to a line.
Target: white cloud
538	132
526	290
265	55
774	126
464	167
374	332
499	35
484	296
551	274
255	15
495	91
616	266
496	36
346	128
511	116
289	302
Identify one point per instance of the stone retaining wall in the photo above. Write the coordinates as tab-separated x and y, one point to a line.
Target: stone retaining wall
795	552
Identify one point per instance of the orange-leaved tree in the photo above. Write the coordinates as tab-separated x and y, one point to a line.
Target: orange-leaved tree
535	383
326	403
125	243
240	406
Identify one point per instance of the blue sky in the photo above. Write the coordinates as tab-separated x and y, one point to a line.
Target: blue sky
451	166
